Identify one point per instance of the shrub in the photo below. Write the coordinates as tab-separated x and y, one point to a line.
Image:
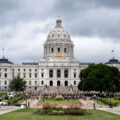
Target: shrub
59	98
107	101
60	111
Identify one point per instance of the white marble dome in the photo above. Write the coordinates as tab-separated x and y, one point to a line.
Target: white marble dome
58	32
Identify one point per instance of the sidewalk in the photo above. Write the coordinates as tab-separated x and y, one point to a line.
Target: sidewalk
88	104
6	109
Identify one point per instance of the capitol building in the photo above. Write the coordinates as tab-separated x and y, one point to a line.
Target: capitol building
57	71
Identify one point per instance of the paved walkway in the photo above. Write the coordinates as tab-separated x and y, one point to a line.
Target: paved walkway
6	109
88	104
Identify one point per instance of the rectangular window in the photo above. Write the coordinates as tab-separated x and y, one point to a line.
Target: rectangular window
5	75
35	75
0	75
35	83
18	70
19	74
5	69
74	75
64	50
29	82
24	70
30	75
35	70
13	70
74	82
24	75
13	75
5	82
58	49
0	69
42	75
30	70
42	82
52	50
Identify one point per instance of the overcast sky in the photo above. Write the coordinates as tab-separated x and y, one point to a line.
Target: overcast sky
94	26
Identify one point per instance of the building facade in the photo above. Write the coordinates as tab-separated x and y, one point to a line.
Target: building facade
58	71
58	68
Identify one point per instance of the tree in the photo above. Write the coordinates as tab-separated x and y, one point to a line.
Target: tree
17	84
100	77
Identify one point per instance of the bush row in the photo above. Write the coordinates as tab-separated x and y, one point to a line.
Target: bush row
60	111
108	102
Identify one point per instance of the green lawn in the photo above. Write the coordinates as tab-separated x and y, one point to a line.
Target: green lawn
51	101
28	114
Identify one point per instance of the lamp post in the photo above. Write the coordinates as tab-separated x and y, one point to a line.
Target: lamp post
94	102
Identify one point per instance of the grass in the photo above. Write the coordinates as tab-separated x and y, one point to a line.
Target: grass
51	101
28	114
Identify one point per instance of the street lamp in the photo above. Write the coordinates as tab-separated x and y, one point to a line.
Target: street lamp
94	102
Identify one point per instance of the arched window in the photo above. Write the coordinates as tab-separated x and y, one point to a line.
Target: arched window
58	83
66	74
58	73
66	83
50	73
51	83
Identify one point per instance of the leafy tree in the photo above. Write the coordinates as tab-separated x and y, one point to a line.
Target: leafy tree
100	77
17	84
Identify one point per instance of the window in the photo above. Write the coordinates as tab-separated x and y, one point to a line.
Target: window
13	75
0	82
42	75
58	73
13	70
50	73
74	75
19	70
66	74
24	75
5	82
19	74
52	35
58	49
64	50
58	35
35	70
30	70
0	69
0	75
42	82
58	83
74	82
66	83
35	83
5	69
51	83
29	82
30	75
24	70
52	50
35	75
5	75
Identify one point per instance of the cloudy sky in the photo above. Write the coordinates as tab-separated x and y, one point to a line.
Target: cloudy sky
94	26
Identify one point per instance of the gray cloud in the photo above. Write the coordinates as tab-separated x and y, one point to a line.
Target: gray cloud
24	26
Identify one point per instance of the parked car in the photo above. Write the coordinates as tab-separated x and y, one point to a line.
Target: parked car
3	103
